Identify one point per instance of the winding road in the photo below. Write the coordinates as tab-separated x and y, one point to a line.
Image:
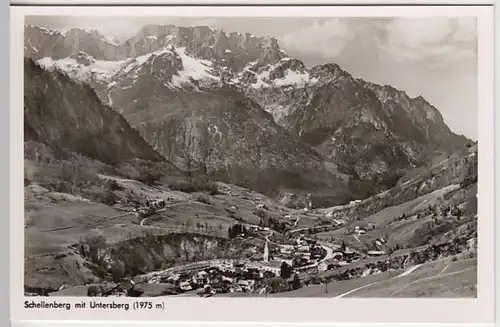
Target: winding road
409	271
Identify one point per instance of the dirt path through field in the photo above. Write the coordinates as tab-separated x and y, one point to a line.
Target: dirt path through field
405	273
440	275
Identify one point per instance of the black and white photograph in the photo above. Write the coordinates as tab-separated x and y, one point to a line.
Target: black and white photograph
273	154
250	157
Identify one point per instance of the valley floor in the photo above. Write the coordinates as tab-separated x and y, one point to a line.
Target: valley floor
76	247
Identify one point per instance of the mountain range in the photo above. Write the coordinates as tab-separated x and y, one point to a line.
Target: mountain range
232	106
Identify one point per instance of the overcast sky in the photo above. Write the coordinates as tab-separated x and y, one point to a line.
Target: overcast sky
432	57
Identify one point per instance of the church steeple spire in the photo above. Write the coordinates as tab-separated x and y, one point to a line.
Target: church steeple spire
266	253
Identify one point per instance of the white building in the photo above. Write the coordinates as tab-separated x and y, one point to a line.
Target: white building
247	284
322	266
285	250
185	286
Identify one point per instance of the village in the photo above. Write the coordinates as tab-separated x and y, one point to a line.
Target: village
285	251
284	258
275	249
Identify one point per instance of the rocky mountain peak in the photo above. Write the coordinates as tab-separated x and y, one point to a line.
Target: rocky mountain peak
366	129
231	50
83	58
330	69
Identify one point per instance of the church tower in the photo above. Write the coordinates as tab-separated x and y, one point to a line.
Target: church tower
266	253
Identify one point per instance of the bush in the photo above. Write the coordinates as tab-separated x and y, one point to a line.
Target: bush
277	285
146	172
118	271
112	185
296	284
260	213
148	178
469	180
106	197
235	230
91	247
203	198
70	173
286	270
195	184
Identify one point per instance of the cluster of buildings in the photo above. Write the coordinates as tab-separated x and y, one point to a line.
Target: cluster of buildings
220	276
151	207
342	257
306	254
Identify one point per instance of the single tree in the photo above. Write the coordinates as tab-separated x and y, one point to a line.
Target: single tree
286	270
296	282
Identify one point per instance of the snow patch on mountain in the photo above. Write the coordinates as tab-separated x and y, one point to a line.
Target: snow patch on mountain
98	70
294	78
277	75
50	31
430	114
279	111
111	40
290	78
193	69
368	117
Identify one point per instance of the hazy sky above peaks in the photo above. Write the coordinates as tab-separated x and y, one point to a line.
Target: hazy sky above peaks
432	57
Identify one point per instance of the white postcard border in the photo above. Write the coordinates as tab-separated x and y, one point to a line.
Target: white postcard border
177	309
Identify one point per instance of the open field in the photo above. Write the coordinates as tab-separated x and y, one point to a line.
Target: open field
428	280
55	225
462	283
337	288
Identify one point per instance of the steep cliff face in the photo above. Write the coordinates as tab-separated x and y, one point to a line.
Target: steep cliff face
341	119
61	112
234	49
174	84
415	119
58	44
228	137
373	132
